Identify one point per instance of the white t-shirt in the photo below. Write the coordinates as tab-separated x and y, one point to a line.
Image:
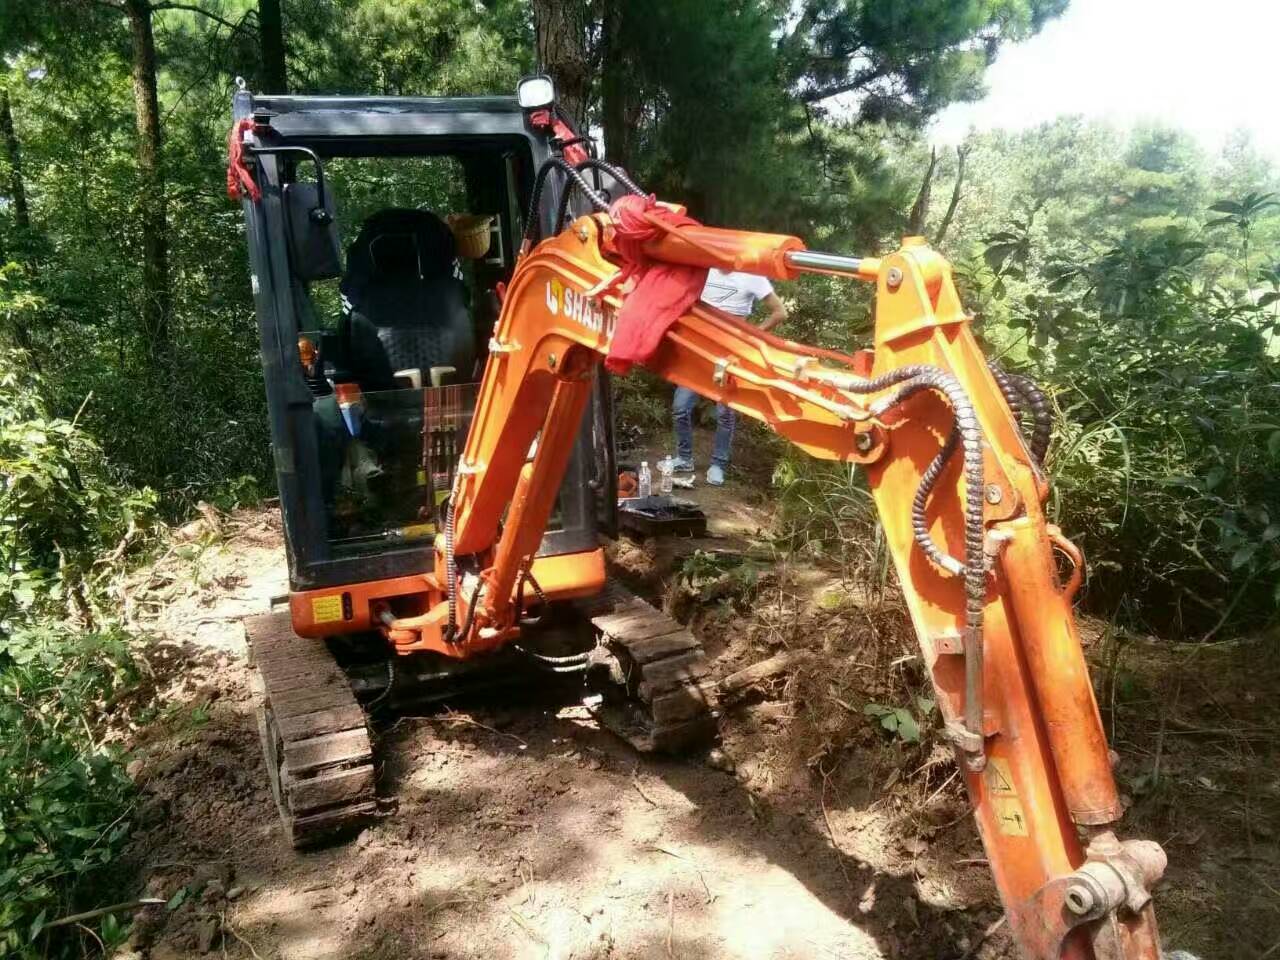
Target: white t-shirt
735	293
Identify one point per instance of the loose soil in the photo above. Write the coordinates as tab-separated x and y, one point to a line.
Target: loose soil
515	828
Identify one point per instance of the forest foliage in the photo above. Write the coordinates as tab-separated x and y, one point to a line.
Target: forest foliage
1133	274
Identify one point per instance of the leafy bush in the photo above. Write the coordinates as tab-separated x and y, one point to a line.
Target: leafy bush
60	511
1169	437
65	530
64	798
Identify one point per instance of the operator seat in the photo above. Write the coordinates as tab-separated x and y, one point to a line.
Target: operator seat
403	308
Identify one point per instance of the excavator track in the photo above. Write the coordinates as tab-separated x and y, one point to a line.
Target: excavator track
314	736
657	696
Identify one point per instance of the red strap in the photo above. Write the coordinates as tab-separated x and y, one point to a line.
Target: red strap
663	291
574	153
240	182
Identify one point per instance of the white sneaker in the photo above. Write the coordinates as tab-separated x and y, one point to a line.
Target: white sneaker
715	475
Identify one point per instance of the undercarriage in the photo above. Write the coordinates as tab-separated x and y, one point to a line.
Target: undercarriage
642	674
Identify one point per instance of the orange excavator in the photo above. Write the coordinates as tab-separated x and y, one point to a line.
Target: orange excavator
959	486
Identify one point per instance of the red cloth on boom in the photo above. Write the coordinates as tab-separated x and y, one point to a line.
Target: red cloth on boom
662	292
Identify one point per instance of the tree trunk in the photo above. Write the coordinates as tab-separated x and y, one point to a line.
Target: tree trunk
561	29
271	34
21	215
962	154
617	88
920	209
13	154
156	296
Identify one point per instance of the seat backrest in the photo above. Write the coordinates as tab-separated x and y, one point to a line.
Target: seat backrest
403	306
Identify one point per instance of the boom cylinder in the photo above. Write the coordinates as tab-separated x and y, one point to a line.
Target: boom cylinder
1059	674
762	253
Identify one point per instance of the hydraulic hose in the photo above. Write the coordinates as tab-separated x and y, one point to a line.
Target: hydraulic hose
527	577
1011	395
1022	393
533	225
450	572
604	166
471	615
1041	415
592	163
967	434
919	503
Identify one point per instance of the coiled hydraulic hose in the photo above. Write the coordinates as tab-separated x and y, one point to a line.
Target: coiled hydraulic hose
967	434
526	576
1022	393
571	663
533	225
1011	395
1041	415
450	571
593	164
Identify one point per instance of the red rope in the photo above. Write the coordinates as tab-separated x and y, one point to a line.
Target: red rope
240	182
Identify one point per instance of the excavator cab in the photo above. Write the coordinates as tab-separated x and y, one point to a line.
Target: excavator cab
386	232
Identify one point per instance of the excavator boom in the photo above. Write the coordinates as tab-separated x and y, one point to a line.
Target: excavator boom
959	491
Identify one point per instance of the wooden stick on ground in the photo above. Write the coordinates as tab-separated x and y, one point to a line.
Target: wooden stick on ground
127	906
746	677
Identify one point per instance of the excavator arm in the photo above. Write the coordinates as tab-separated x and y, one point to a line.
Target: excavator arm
960	494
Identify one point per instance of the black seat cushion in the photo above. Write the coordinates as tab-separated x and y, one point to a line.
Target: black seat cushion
403	306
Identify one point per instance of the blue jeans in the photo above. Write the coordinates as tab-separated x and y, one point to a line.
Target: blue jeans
682	405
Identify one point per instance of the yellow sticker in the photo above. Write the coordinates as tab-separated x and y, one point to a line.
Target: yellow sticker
1000	778
1010	818
326	609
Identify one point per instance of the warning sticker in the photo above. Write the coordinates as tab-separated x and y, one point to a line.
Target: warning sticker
1010	818
326	609
1000	778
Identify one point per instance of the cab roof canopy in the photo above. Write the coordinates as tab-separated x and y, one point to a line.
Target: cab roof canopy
364	126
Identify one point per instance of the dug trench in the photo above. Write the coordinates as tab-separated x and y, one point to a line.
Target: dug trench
830	823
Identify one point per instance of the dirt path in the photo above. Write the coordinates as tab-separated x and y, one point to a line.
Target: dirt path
518	829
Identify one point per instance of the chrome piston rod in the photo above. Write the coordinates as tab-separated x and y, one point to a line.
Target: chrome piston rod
811	261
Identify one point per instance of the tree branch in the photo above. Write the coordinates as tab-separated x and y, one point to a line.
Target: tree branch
191	8
962	153
857	81
920	209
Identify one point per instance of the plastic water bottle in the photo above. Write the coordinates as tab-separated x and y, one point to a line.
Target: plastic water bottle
666	472
644	480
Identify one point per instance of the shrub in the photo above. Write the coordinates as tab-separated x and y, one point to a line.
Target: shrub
65	530
64	798
1169	435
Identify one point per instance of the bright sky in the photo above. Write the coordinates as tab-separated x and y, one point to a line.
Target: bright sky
1210	68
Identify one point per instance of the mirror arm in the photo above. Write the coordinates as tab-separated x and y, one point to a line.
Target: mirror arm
323	208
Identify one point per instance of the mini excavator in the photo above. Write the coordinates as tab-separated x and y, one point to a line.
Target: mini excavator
486	425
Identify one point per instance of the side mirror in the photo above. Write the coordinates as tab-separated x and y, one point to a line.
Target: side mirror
536	93
315	252
311	231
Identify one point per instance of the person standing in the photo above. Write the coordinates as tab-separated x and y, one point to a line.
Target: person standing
738	294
